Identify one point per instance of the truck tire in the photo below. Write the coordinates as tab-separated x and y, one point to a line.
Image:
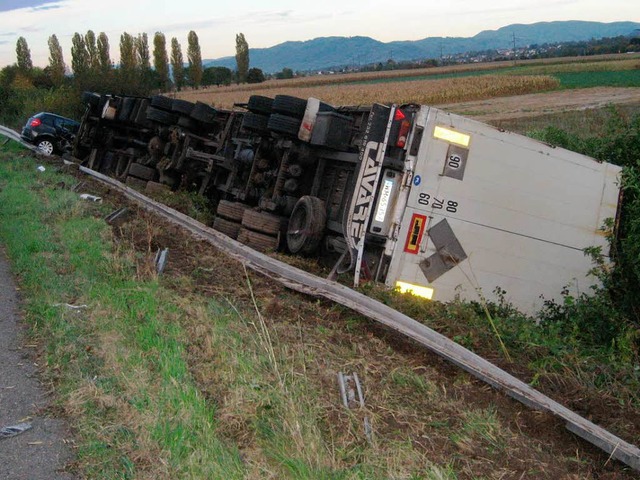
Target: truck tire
91	99
231	210
258	241
306	225
136	183
264	222
203	113
260	105
283	124
228	227
162	102
188	123
254	122
160	116
290	106
141	114
126	107
142	171
182	106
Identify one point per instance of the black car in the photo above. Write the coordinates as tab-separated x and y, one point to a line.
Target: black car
49	132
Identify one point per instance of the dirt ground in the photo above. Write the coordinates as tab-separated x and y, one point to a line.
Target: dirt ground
542	442
537	104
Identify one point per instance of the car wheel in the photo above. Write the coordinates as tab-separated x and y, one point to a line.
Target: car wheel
45	147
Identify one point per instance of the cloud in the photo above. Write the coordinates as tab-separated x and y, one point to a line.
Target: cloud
35	5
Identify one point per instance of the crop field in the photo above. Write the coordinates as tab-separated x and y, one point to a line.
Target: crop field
417	91
439	85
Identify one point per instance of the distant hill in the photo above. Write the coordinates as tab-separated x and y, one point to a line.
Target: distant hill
325	52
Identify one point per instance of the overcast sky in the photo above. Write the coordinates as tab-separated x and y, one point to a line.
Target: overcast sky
267	23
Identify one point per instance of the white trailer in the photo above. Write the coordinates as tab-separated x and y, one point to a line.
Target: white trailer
479	208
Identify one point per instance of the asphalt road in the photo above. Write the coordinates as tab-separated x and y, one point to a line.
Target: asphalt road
41	452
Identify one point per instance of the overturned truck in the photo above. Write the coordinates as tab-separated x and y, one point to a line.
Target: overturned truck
423	200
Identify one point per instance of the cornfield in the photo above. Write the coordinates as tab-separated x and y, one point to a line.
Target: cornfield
429	92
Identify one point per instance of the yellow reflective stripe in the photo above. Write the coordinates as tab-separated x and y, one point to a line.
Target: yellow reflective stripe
452	136
417	290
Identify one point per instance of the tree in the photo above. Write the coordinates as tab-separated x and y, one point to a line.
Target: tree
255	75
242	57
284	74
56	61
104	59
177	63
160	59
142	49
128	58
23	54
92	51
216	76
79	56
195	59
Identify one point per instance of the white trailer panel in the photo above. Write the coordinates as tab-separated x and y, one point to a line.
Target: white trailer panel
489	208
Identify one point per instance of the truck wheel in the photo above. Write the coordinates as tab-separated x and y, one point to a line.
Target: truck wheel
141	114
91	99
203	113
136	183
259	104
290	106
182	106
284	124
263	222
231	210
258	241
188	123
160	101
306	225
229	228
160	116
142	171
254	122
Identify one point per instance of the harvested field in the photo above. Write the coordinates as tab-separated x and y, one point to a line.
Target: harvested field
416	91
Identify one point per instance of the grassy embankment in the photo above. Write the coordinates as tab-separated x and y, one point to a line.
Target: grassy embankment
159	381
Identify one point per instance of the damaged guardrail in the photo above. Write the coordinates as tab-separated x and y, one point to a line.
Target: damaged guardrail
308	283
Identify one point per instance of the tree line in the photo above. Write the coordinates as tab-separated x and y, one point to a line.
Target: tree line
140	70
144	67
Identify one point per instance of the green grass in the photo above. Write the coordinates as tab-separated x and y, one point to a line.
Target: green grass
621	78
122	371
120	364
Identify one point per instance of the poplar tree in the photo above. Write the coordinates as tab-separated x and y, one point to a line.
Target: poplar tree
23	54
56	61
195	59
160	59
104	59
142	50
79	56
128	60
177	62
242	57
92	50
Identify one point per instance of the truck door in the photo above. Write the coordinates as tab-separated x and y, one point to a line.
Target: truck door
490	208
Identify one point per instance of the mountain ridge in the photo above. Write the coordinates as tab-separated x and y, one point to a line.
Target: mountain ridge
327	52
